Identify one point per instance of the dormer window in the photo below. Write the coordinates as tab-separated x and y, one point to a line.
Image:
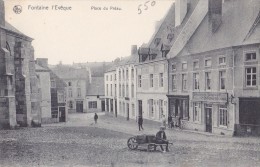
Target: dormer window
250	56
170	37
157	41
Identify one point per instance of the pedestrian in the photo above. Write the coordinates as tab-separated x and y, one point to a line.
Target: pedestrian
140	123
170	121
162	139
95	118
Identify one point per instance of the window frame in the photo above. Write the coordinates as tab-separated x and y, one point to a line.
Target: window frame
196	80
250	52
225	79
208	59
251	74
151	81
222	63
182	82
206	81
223	116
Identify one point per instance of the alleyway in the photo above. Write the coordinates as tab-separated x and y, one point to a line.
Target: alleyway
80	142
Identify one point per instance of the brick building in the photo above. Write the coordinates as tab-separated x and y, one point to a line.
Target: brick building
214	69
19	93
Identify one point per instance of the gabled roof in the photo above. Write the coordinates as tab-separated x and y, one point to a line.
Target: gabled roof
96	87
238	16
167	33
14	30
67	72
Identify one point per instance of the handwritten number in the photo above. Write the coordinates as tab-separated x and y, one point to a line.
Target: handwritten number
153	3
139	9
146	7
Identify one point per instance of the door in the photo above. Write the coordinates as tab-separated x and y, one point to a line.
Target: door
140	108
62	116
127	111
208	114
103	105
79	106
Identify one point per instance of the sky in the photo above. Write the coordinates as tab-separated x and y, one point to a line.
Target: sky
83	34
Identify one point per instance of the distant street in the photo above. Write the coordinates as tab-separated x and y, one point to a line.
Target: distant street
80	142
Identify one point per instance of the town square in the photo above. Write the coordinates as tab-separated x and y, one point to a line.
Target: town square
130	83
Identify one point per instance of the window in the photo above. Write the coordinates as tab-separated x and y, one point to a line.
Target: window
139	81
111	90
250	56
208	80
123	73
119	75
196	81
120	90
126	75
251	76
61	98
115	77
123	91
196	112
173	66
184	81
133	91
92	104
71	104
53	84
111	77
184	66
174	82
151	80
208	63
127	91
222	80
54	114
79	92
222	61
70	93
151	108
107	78
133	110
161	79
78	84
69	83
196	64
132	74
160	109
115	90
107	89
223	115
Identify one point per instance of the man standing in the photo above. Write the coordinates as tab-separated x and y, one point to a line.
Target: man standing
140	123
95	118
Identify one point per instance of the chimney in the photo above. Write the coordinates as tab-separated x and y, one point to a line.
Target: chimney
2	13
215	14
134	49
180	11
42	62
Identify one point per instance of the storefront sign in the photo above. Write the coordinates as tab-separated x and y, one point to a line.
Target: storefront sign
210	96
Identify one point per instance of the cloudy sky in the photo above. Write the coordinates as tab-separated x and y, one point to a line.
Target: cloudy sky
84	34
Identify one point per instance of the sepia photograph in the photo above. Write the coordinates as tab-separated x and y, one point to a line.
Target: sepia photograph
129	83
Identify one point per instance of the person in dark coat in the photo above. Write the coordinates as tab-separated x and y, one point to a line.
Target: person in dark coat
140	123
95	118
162	139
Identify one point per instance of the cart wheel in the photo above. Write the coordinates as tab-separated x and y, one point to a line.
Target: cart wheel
132	143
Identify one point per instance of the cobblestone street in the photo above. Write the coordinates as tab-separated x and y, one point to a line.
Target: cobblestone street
80	142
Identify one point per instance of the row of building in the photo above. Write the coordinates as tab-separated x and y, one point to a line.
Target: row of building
32	92
200	67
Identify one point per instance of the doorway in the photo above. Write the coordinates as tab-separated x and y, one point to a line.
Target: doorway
79	106
62	116
208	115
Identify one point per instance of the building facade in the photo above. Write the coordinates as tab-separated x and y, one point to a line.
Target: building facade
77	81
19	94
213	71
53	102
